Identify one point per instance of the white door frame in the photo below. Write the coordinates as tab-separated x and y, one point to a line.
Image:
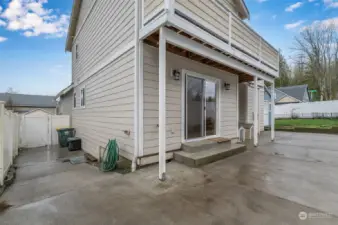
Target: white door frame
184	73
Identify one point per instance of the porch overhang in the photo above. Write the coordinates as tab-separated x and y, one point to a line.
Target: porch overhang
183	44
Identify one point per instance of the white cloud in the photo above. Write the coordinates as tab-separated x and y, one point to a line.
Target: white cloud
311	0
2	39
331	3
325	23
32	19
294	25
293	7
2	23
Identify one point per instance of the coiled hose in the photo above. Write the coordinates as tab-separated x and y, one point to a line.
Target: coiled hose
110	156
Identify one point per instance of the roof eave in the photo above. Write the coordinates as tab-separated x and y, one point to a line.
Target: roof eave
243	9
73	24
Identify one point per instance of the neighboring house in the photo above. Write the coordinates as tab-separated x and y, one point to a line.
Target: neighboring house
290	94
65	101
164	74
285	95
22	103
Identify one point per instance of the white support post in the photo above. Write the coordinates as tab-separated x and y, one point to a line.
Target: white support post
2	114
272	122
260	49
9	129
162	105
230	28
237	99
255	135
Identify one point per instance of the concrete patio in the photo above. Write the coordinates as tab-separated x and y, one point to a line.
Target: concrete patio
270	184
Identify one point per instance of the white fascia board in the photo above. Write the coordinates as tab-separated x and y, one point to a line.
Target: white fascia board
202	50
153	25
217	43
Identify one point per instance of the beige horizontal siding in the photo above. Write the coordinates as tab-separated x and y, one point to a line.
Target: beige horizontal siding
84	10
173	92
251	108
269	55
151	7
230	5
109	109
108	29
207	13
245	38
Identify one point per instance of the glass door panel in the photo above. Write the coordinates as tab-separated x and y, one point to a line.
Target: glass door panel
210	107
194	107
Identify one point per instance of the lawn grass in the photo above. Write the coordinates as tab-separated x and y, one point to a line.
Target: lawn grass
306	123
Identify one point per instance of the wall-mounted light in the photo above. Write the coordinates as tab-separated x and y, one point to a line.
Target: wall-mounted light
227	86
176	74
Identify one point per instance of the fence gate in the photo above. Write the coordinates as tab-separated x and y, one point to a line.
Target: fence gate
34	131
39	129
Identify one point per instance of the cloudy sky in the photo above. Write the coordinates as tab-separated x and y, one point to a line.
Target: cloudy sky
33	32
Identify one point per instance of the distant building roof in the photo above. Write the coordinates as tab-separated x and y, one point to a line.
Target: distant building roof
64	91
295	91
23	100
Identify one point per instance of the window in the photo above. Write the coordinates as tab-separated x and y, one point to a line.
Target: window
74	100
83	100
76	51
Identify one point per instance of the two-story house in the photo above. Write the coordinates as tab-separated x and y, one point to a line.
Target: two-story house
156	74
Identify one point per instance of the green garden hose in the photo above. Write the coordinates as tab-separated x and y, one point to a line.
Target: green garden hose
110	156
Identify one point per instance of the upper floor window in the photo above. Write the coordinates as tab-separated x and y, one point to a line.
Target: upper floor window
76	51
83	97
74	100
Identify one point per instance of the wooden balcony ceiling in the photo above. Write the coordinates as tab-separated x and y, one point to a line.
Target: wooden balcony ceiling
153	40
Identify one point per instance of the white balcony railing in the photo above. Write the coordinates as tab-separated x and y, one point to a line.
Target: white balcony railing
216	17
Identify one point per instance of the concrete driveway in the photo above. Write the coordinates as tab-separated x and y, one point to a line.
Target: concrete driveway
271	184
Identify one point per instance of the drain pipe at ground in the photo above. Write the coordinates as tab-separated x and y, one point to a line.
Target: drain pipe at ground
136	85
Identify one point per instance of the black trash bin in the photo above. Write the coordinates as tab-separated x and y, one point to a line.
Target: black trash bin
74	144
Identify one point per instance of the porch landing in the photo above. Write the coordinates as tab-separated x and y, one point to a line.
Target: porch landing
200	153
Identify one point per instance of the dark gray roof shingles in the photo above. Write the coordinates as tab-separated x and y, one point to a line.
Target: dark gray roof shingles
295	91
40	101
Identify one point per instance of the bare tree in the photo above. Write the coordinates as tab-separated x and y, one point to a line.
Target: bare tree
318	46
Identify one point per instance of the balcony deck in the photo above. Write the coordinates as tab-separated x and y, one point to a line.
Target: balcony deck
219	19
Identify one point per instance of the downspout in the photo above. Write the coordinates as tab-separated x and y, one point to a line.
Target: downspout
136	85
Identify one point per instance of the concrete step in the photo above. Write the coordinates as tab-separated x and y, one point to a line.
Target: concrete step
200	158
197	146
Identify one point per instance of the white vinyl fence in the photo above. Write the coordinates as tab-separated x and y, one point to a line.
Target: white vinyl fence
324	109
9	139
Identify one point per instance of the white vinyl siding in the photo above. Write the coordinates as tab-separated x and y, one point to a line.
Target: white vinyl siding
84	10
151	7
107	110
228	101
109	27
261	106
109	107
207	13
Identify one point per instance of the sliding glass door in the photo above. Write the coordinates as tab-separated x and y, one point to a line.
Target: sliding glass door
200	107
